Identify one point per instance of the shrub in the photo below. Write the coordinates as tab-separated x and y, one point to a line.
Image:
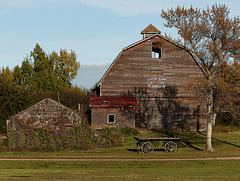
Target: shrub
129	131
79	137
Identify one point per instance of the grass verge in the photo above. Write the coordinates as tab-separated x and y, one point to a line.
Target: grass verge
133	170
226	144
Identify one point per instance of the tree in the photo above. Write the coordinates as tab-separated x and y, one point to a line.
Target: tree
213	37
52	72
71	97
13	98
228	92
39	74
65	67
43	69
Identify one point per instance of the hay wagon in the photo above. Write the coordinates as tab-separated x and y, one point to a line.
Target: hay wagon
145	144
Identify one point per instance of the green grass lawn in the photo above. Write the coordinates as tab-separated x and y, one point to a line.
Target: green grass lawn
138	170
226	144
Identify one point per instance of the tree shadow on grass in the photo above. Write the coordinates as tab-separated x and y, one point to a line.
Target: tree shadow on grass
188	144
184	142
222	141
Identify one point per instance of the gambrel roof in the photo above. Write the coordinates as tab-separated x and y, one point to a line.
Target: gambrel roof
146	39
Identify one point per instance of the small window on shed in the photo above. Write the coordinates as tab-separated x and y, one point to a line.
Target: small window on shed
111	118
156	50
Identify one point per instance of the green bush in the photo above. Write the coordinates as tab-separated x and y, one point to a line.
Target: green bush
79	137
3	145
129	131
114	134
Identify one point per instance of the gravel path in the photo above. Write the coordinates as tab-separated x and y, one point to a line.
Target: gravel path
117	159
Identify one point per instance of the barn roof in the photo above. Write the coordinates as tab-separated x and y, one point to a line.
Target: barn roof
127	101
205	72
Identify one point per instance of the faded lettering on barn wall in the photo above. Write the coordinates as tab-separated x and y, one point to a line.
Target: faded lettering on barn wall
157	82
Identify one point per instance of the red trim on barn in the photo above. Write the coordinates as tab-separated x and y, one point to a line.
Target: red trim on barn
127	101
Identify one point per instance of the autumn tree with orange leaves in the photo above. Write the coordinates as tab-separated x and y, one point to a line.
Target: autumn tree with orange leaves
227	88
214	37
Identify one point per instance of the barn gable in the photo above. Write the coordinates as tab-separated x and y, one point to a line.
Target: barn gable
155	36
156	70
46	114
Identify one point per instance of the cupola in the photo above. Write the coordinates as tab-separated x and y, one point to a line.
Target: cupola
149	31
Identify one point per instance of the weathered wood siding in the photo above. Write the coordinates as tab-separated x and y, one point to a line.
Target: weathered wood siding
136	72
135	67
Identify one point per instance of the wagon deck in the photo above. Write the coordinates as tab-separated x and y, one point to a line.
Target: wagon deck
145	145
157	139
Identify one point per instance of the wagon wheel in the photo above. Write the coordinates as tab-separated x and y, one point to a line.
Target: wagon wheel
139	146
147	147
171	146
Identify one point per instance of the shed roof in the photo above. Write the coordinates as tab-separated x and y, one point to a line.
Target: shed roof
113	102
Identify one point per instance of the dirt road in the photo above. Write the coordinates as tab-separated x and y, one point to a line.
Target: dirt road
119	160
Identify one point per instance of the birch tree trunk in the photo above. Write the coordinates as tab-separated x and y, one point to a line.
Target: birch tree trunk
210	124
210	118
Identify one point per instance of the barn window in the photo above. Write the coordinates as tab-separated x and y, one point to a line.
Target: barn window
111	118
156	50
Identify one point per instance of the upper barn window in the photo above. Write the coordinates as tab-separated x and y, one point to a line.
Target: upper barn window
156	50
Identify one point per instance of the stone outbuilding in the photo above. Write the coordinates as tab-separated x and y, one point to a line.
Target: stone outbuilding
50	125
46	114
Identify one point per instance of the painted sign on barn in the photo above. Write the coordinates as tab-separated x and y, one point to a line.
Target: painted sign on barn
157	82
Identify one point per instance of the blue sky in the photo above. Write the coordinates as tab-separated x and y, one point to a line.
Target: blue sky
96	30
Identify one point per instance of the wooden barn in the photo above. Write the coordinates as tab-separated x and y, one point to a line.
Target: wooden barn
152	73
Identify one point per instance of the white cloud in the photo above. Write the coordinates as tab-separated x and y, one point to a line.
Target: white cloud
90	74
3	12
19	3
129	7
96	65
148	7
119	7
33	3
